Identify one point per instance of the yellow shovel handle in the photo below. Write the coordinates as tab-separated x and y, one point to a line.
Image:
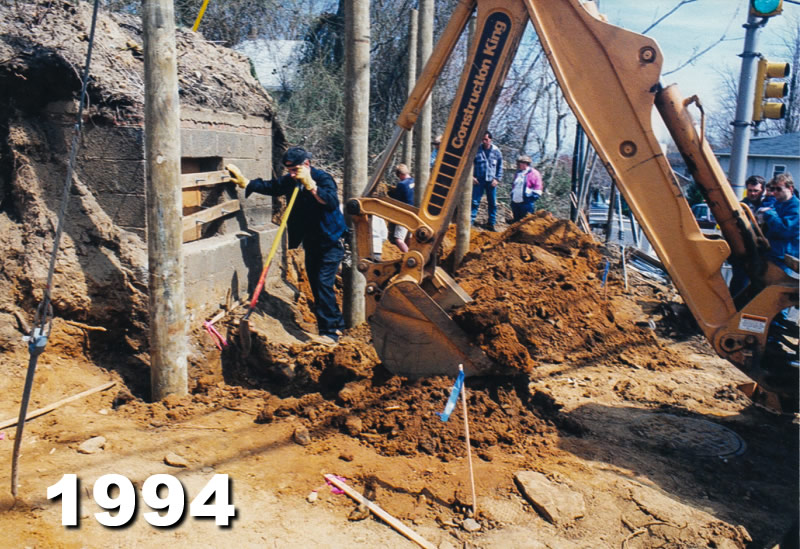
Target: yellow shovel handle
274	247
200	16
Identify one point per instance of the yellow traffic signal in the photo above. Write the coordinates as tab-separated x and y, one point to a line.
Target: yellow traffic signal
766	89
766	8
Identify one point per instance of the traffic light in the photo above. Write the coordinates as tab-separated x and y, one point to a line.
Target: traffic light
766	8
766	89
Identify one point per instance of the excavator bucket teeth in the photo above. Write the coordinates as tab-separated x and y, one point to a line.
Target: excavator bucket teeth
415	337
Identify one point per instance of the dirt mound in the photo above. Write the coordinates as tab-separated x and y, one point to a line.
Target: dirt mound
344	389
43	48
539	297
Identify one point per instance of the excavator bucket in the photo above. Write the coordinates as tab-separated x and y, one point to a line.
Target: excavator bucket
415	336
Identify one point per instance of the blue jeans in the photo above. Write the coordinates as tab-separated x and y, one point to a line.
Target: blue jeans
491	199
521	209
322	265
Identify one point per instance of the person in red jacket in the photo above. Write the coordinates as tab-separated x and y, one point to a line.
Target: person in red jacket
525	189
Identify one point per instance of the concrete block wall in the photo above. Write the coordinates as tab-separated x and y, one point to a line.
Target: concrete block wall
243	140
111	163
234	258
214	265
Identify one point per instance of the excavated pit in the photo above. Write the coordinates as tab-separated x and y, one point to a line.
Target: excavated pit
539	309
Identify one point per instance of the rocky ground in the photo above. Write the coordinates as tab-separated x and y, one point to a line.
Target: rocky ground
615	426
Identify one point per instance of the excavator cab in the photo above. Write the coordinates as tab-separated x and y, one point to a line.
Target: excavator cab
610	77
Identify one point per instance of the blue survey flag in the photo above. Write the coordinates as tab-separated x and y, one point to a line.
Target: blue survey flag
454	392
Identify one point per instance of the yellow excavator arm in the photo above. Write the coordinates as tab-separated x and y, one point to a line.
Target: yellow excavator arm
611	78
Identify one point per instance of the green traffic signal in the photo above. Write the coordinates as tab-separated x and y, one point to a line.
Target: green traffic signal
766	8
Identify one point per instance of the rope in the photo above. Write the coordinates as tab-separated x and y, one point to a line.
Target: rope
44	314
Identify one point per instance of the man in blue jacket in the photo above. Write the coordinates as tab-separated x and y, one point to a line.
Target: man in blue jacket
780	221
315	222
404	192
486	176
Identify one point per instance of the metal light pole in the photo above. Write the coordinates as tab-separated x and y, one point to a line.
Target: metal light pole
744	105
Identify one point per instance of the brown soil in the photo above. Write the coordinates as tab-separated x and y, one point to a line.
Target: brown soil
597	401
609	392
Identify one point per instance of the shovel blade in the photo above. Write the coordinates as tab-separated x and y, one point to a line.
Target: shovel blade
415	337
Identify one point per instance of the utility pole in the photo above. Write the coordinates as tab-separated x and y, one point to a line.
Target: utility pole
413	40
422	137
356	121
744	105
168	372
464	211
577	172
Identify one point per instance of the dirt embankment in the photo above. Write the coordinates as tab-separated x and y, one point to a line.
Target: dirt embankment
101	269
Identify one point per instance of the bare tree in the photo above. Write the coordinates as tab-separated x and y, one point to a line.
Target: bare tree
719	127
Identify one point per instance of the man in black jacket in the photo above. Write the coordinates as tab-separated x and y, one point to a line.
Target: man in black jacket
315	222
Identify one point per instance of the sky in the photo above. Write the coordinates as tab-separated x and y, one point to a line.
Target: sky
695	26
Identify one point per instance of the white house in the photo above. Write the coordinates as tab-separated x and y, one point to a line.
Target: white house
275	61
769	156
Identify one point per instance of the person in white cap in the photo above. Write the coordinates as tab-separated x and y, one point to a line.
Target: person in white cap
525	189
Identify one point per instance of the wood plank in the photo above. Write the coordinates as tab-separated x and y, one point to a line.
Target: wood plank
41	411
204	179
383	515
191	198
193	224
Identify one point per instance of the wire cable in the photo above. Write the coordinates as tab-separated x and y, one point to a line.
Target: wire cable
38	338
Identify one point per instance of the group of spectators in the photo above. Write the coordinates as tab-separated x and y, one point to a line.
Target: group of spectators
526	187
776	208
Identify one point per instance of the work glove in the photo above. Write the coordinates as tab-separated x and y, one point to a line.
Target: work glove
304	177
236	176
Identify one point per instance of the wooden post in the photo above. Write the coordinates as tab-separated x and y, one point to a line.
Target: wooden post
356	157
413	36
464	212
422	135
612	201
163	190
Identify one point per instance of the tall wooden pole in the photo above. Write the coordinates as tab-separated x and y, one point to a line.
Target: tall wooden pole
413	39
163	190
422	135
356	121
463	214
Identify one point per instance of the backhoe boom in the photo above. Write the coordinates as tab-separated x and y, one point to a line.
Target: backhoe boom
610	78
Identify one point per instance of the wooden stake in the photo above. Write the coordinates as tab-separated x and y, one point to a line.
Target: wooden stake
383	515
469	447
86	327
624	268
41	411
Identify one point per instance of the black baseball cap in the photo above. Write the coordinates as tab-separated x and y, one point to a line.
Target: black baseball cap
295	156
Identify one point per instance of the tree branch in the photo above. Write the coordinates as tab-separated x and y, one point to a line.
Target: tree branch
697	55
670	12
